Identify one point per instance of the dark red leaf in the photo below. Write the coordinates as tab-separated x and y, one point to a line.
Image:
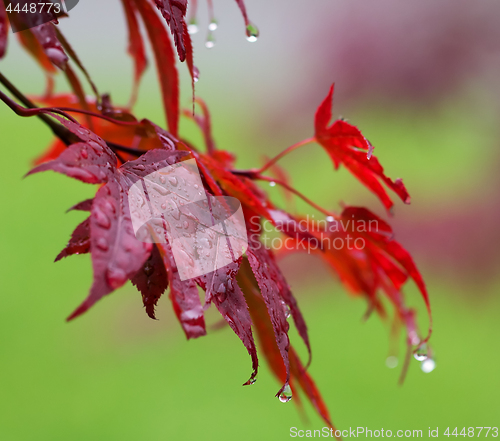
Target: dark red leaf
345	145
79	242
266	278
174	12
85	205
184	296
90	161
222	289
152	281
165	63
116	253
47	37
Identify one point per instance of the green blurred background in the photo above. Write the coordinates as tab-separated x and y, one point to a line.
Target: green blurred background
427	100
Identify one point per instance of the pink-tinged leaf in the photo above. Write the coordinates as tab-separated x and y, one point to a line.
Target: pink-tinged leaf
221	288
152	281
151	161
345	145
79	243
85	205
116	253
184	296
4	30
91	162
174	12
47	37
136	47
165	63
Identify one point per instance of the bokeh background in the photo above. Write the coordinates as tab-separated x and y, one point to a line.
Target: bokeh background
421	80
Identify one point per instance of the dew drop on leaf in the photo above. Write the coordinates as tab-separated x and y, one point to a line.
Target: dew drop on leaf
213	25
252	33
421	353
210	41
286	395
102	244
193	27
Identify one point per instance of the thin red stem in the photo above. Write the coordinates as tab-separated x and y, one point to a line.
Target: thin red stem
295	192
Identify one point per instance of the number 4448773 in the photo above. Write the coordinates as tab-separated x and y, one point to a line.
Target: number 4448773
34	8
473	432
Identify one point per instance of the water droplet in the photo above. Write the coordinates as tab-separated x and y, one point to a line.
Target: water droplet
173	181
213	25
84	153
286	395
101	219
148	269
185	224
210	41
162	179
391	362
193	27
272	184
221	292
102	244
421	353
116	277
252	33
163	206
330	218
428	365
196	74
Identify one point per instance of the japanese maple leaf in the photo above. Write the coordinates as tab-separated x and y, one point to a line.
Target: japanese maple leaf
345	145
116	253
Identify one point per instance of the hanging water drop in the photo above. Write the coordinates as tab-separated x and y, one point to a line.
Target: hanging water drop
428	365
252	33
272	184
286	395
210	41
196	74
330	218
213	25
421	353
192	27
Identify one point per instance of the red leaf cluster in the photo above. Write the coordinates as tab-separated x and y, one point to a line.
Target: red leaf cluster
98	143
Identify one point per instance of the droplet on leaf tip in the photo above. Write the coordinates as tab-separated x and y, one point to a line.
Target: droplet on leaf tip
213	25
286	395
192	27
252	33
272	184
210	42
